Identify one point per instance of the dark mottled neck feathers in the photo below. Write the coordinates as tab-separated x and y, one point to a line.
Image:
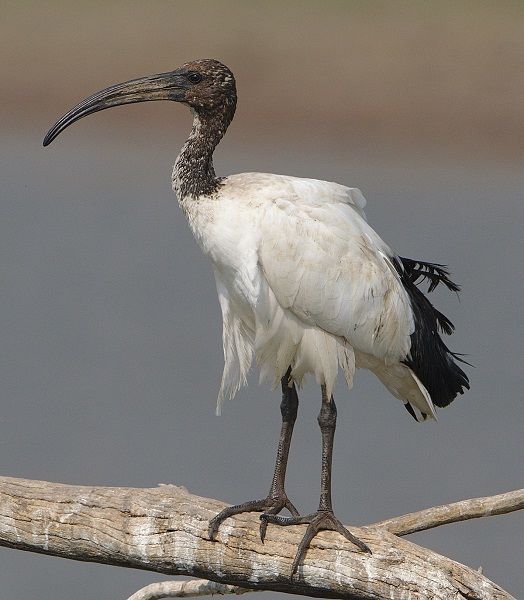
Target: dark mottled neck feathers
193	174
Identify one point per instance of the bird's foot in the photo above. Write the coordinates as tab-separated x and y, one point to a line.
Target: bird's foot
320	521
270	506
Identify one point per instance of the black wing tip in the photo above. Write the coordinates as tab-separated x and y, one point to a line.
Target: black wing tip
440	375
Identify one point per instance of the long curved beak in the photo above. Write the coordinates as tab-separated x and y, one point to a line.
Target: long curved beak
164	86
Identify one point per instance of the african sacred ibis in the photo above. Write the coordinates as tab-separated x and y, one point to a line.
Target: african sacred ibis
304	283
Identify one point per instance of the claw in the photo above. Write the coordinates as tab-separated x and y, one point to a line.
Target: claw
268	517
291	508
269	506
319	521
263	528
351	538
263	521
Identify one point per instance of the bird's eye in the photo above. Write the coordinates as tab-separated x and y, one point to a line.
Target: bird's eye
194	77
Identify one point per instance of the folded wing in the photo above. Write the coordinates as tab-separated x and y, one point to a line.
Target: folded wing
327	266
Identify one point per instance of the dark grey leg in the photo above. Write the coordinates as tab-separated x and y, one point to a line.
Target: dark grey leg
277	498
324	518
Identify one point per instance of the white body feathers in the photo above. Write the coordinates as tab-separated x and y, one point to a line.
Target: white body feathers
303	280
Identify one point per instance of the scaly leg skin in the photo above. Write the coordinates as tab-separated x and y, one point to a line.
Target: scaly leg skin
277	498
324	518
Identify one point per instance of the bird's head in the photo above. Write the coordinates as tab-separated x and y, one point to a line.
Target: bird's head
206	85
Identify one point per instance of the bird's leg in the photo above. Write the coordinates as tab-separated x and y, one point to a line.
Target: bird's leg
277	493
323	518
277	498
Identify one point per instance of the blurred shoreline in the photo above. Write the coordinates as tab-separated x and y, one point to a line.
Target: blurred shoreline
445	77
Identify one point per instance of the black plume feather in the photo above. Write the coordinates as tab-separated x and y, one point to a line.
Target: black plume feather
418	271
429	358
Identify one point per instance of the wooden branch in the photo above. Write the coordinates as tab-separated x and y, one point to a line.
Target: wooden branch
452	513
186	589
164	529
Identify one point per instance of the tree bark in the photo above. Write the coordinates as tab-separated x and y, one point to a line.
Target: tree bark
164	529
464	510
190	588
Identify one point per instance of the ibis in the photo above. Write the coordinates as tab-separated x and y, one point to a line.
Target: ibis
305	286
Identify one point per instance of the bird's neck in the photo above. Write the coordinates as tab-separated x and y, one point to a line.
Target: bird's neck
193	173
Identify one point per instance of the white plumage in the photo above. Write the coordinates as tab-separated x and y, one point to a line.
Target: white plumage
303	280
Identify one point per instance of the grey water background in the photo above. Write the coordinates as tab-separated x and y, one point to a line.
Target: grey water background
111	348
110	345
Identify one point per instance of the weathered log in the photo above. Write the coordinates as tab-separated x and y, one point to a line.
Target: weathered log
164	529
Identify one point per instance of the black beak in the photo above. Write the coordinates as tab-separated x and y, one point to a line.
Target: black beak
164	86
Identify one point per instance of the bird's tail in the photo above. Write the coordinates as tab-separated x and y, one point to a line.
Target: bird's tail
430	359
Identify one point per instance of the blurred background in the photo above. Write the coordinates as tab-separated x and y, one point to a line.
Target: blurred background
111	330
